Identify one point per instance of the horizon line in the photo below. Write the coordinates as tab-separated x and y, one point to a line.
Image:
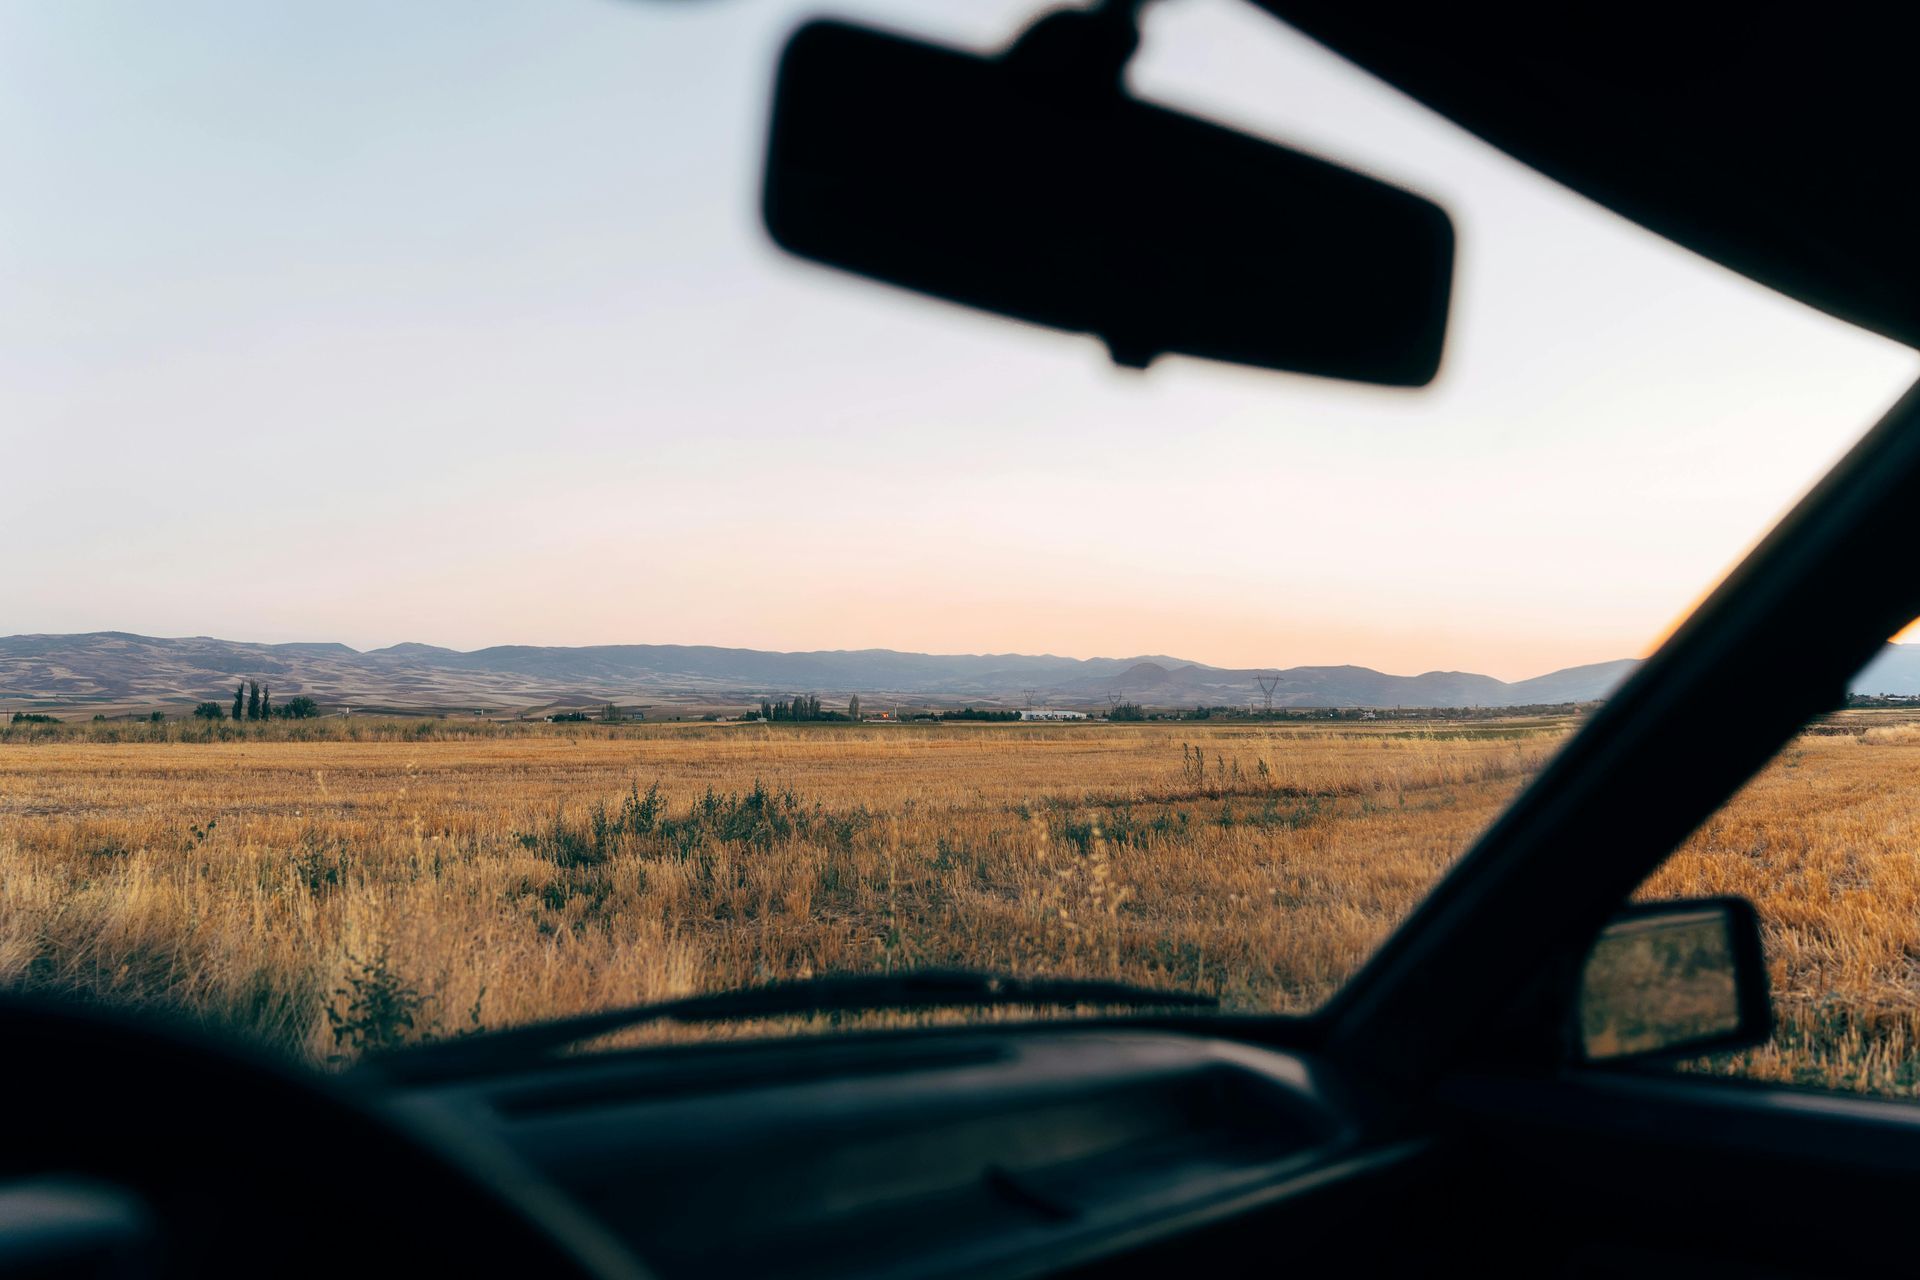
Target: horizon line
876	649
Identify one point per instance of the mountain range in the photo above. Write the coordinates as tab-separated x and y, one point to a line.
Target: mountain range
114	668
1895	671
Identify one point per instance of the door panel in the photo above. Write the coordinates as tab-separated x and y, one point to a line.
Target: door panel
1600	1171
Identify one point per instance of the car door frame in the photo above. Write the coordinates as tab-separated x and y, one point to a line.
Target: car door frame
1801	614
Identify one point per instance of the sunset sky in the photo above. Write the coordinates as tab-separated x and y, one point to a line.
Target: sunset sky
452	321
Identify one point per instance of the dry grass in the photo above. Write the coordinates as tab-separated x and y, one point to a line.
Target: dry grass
249	880
1826	843
244	878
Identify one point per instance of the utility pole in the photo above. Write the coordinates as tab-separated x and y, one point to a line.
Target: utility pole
1268	682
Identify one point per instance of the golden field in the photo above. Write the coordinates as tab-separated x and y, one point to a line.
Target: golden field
480	875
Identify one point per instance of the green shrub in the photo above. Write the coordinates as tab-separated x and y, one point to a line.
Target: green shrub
382	1007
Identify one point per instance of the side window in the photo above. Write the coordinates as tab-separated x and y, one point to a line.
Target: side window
1825	843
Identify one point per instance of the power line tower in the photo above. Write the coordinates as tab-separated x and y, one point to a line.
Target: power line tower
1030	693
1268	682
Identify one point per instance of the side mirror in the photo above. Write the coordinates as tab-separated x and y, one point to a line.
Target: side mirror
1674	979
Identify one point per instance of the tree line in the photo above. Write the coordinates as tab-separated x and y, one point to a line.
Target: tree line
806	706
965	713
254	701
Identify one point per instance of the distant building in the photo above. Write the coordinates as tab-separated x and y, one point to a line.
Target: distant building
1050	713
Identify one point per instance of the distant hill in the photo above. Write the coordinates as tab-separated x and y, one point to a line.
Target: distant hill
119	668
1896	670
1153	682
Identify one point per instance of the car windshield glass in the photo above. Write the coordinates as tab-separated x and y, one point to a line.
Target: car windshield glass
458	572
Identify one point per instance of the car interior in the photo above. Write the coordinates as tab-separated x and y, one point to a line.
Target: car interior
1494	1090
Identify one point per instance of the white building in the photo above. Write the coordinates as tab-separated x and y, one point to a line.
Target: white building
1050	713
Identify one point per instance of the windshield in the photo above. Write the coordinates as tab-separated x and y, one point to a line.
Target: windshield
463	574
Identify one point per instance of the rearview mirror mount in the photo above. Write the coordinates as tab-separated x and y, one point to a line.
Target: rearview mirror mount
1674	979
1030	184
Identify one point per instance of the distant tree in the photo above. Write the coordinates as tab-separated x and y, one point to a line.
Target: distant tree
240	700
156	717
609	713
300	708
766	709
1127	711
266	702
253	700
209	711
853	707
803	706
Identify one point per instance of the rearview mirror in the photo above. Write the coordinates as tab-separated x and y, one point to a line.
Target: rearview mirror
1031	185
1674	979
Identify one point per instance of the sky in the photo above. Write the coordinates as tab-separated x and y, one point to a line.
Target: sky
452	321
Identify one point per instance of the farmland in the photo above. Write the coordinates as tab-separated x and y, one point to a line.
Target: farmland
331	888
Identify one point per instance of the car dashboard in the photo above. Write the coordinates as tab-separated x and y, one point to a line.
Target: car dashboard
948	1153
